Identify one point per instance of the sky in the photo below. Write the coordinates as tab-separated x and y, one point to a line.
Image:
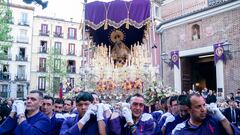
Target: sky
64	9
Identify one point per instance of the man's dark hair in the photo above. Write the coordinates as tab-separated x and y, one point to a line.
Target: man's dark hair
69	100
38	92
59	101
49	98
84	96
164	100
189	104
173	98
182	100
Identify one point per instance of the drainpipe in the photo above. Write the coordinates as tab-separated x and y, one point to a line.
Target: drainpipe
161	51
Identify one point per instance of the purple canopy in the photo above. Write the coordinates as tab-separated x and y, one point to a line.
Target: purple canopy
117	13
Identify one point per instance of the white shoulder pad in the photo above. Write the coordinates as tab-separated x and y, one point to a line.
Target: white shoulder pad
146	117
59	116
179	127
67	115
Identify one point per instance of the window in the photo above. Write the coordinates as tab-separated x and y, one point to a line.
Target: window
21	55
58	31
157	11
71	49
70	82
195	32
24	19
43	47
4	91
22	52
41	83
71	67
22	38
72	33
57	64
5	68
42	64
21	72
44	30
20	90
4	88
58	47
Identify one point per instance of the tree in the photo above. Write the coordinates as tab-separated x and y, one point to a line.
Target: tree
57	71
5	29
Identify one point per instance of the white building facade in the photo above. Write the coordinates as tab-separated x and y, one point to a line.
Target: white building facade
15	67
64	36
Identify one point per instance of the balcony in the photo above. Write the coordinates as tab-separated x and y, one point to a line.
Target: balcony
58	35
20	78
4	94
42	50
4	76
23	23
43	33
42	69
72	36
23	39
71	69
20	94
21	58
57	52
71	53
5	57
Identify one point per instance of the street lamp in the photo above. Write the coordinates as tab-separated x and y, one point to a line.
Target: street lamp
226	47
166	59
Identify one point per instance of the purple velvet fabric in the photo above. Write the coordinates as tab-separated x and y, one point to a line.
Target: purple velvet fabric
117	13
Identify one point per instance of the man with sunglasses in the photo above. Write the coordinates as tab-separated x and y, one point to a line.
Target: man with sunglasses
132	120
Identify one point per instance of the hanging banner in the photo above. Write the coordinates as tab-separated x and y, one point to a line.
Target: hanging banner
61	91
175	59
218	52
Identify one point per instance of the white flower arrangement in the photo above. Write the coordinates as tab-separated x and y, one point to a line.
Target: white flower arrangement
157	91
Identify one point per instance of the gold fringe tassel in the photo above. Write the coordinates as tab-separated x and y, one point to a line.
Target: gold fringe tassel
106	25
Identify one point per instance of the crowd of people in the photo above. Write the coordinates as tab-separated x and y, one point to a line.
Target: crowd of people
87	114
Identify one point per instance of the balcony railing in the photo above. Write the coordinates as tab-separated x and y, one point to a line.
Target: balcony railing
4	76
56	51
4	94
71	70
5	57
20	78
71	53
42	50
71	36
22	39
23	23
21	58
42	69
59	35
20	94
43	33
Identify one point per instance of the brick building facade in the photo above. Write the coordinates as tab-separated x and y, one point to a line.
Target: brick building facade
215	24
